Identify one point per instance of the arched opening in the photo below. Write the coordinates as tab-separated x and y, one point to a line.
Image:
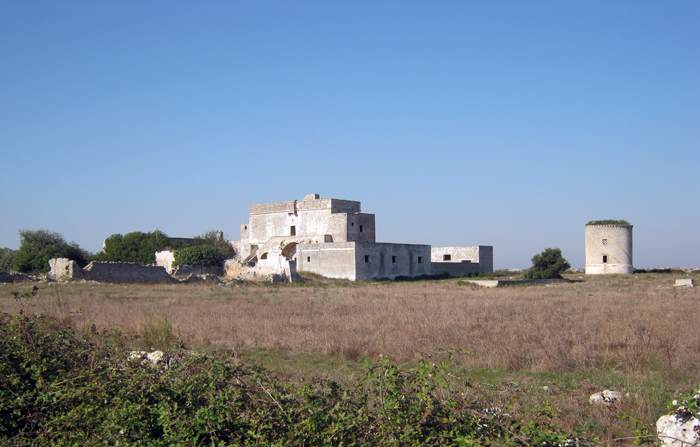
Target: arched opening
263	256
289	250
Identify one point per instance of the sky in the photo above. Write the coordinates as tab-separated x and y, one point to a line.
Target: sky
504	123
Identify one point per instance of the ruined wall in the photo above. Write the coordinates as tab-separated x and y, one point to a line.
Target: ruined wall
378	260
165	259
63	269
608	249
125	272
332	260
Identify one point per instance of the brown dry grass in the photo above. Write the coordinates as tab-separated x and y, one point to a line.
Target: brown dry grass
636	334
627	323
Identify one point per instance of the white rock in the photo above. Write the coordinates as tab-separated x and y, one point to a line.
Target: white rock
675	431
155	357
137	355
685	282
605	397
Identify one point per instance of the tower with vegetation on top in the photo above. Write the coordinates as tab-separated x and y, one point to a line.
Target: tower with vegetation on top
608	247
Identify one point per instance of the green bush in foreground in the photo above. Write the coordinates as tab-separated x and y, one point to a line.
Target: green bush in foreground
60	388
548	264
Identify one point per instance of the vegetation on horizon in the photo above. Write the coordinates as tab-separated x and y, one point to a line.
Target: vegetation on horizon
38	246
549	264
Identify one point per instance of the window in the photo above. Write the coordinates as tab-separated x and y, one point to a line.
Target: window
420	259
605	242
292	230
361	228
605	259
366	259
308	259
393	259
446	257
245	227
352	224
263	256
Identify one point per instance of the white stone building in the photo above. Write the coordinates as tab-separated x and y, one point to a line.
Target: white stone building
608	247
334	238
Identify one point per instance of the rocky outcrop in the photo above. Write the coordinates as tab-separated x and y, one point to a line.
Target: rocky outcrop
677	430
605	398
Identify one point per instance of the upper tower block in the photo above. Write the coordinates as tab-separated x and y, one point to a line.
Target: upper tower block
314	219
608	247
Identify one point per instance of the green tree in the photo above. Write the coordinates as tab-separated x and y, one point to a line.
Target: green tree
6	258
548	264
134	247
200	255
38	246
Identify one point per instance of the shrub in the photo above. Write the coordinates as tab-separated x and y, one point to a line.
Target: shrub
134	247
608	222
200	255
548	264
60	388
38	246
6	259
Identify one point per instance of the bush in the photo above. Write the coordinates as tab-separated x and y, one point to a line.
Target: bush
7	256
134	247
38	246
548	264
58	387
200	255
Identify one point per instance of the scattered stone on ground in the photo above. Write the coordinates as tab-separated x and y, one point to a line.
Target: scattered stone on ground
606	398
678	430
685	282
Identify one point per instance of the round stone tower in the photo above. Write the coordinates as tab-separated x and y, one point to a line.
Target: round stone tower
608	247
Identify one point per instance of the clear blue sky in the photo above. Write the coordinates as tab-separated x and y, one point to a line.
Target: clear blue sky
505	123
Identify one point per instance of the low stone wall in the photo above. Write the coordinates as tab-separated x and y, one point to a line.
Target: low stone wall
6	277
62	269
125	272
455	269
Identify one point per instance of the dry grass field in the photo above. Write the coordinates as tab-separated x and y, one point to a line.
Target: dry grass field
533	350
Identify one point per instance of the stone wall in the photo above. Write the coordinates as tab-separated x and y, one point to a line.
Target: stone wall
480	256
455	269
165	259
62	269
380	260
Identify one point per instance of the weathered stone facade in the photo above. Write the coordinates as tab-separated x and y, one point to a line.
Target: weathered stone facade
62	269
609	248
333	238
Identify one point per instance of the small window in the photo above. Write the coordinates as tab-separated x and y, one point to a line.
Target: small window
293	230
352	224
605	242
420	259
245	227
361	228
308	259
393	259
605	259
366	259
446	257
263	256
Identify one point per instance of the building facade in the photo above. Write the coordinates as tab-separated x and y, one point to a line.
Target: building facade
334	238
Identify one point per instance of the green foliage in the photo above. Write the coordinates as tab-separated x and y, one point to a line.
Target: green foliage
60	388
209	249
608	222
7	256
38	246
548	264
134	247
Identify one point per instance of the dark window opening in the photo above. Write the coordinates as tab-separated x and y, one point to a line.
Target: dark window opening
352	224
245	227
393	259
605	259
308	259
361	228
420	259
292	230
366	259
446	257
263	256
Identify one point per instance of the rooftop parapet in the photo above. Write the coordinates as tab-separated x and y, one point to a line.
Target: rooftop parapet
610	222
310	202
